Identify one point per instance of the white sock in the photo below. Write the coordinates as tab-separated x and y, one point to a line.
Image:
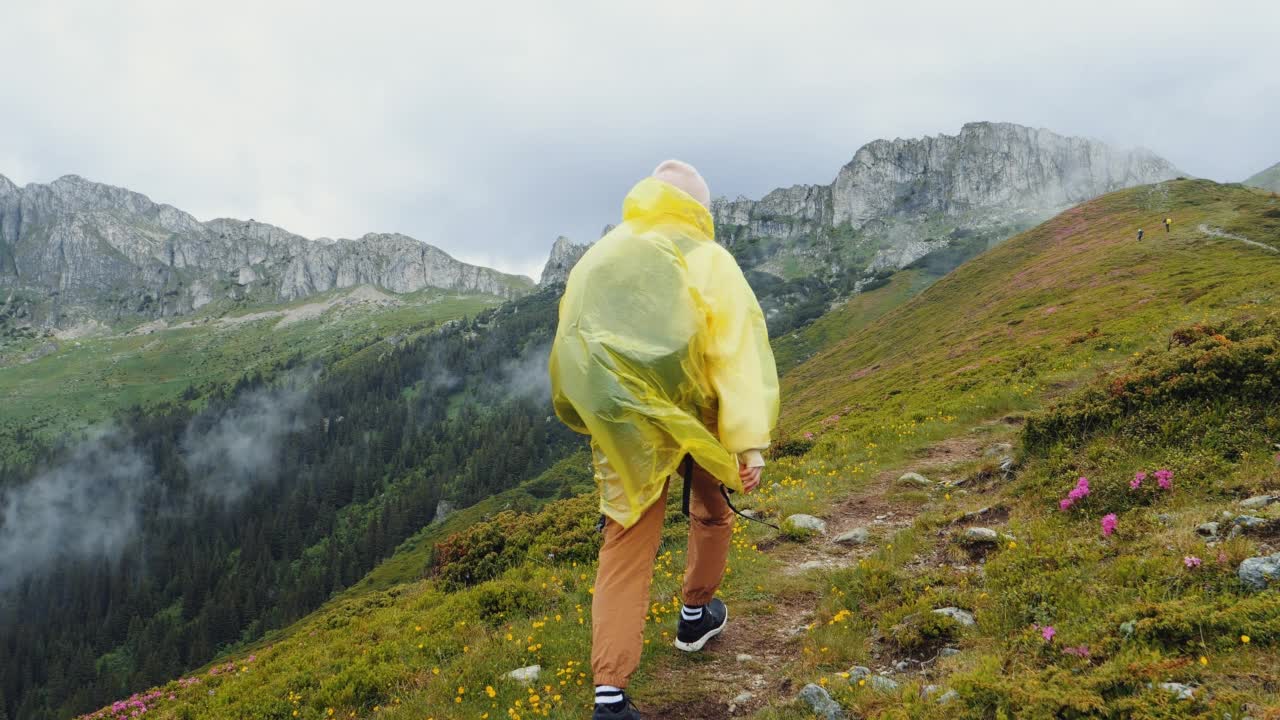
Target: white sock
691	614
608	695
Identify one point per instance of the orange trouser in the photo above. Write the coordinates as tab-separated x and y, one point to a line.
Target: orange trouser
626	568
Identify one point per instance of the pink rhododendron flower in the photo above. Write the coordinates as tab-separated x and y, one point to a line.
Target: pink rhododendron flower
808	436
1078	492
1222	556
1164	478
1082	651
1048	632
1109	522
1138	477
1191	561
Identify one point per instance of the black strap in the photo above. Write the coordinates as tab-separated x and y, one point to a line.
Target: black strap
725	492
686	469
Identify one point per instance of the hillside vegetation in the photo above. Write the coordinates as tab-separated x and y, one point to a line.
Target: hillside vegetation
1070	351
184	528
51	386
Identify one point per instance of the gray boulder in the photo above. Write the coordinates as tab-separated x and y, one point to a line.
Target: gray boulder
804	522
820	702
1245	524
1259	501
948	696
1209	529
1258	572
880	683
915	479
856	536
964	617
1178	690
981	536
948	652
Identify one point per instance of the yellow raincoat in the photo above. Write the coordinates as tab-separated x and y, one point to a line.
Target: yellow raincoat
659	338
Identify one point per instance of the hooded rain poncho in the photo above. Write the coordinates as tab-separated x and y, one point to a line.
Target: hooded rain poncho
661	351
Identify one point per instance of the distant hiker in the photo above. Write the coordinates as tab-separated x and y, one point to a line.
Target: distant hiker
1167	223
662	357
1139	234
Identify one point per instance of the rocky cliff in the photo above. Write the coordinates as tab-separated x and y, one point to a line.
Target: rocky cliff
75	250
898	200
564	255
933	200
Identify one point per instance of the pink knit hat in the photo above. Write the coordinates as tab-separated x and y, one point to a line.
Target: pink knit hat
686	177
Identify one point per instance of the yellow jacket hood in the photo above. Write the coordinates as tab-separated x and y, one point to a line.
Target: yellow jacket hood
661	351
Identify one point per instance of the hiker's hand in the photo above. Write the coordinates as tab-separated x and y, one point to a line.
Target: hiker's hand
750	477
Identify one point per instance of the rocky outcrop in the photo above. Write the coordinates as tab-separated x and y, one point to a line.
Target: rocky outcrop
933	202
901	199
564	255
90	250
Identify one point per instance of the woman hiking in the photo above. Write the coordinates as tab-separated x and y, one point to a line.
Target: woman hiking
661	355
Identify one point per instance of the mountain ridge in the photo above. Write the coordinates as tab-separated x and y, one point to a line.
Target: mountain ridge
1029	173
1268	179
75	249
938	199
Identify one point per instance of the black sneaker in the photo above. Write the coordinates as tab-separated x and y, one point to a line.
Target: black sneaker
691	636
627	712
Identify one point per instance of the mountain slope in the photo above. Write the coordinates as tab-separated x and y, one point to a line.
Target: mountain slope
1268	179
74	250
1087	255
898	201
927	385
285	470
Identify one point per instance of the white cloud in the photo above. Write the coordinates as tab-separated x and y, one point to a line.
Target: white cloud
489	128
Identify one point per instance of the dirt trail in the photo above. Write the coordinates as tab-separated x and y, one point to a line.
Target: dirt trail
1220	233
754	647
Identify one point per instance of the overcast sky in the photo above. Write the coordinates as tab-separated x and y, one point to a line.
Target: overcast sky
488	129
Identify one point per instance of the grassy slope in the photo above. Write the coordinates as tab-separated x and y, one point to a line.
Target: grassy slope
850	316
1028	320
1268	179
1074	292
84	381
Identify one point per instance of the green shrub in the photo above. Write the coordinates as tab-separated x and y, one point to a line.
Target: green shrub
1212	387
563	530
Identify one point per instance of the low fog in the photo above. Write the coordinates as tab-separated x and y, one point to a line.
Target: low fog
90	504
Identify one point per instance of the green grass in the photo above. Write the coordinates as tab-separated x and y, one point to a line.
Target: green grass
854	314
85	381
1046	307
1073	313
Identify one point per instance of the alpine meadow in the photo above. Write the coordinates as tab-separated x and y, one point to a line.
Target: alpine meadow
1026	454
